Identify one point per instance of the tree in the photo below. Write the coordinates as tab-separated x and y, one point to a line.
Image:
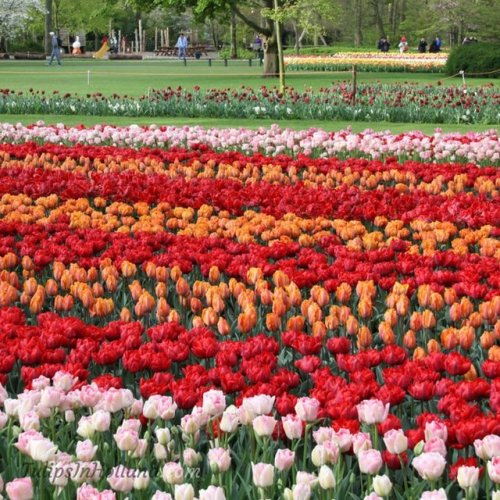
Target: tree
13	17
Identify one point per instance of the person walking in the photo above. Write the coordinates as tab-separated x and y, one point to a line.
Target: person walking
422	46
182	43
55	49
403	45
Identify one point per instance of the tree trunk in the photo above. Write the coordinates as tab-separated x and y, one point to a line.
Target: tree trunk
296	36
378	17
234	47
48	25
271	63
358	26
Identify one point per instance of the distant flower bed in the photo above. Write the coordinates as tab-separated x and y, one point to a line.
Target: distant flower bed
409	103
368	61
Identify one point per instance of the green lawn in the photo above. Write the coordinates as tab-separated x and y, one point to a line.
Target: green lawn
236	123
134	78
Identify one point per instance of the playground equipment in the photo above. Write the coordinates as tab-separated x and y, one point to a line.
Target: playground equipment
102	51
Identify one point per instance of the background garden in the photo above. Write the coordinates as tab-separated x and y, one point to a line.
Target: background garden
250	274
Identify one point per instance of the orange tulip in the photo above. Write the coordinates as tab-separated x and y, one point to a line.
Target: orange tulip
150	270
391	316
466	306
162	309
30	286
161	289
182	287
450	296
428	319
125	315
351	325
332	322
214	274
365	307
295	323
471	374
487	340
223	326
175	273
433	346
280	279
424	295
402	305
9	260
111	283
197	322
313	313
466	336
494	353
27	263
343	293
128	269
449	338
487	311
319	329
419	353
320	295
344	314
162	274
209	316
253	275
436	301
364	337
410	340
386	333
246	321
273	322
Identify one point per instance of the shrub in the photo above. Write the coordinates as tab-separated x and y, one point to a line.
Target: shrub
242	54
480	59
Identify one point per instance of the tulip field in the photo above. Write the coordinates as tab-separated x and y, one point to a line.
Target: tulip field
248	314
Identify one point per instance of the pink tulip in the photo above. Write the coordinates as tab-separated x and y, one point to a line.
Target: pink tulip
258	405
430	466
172	473
214	402
121	478
87	492
264	425
284	459
370	461
293	426
307	409
436	444
263	475
395	441
230	419
20	489
321	434
212	493
436	429
372	411
467	477
434	495
488	447
219	459
85	450
361	441
343	438
493	466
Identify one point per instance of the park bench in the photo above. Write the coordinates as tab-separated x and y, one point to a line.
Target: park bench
191	51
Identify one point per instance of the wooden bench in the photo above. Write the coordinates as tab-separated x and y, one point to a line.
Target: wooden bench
191	51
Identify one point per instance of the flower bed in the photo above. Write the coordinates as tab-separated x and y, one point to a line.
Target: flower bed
407	102
368	61
185	321
478	148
